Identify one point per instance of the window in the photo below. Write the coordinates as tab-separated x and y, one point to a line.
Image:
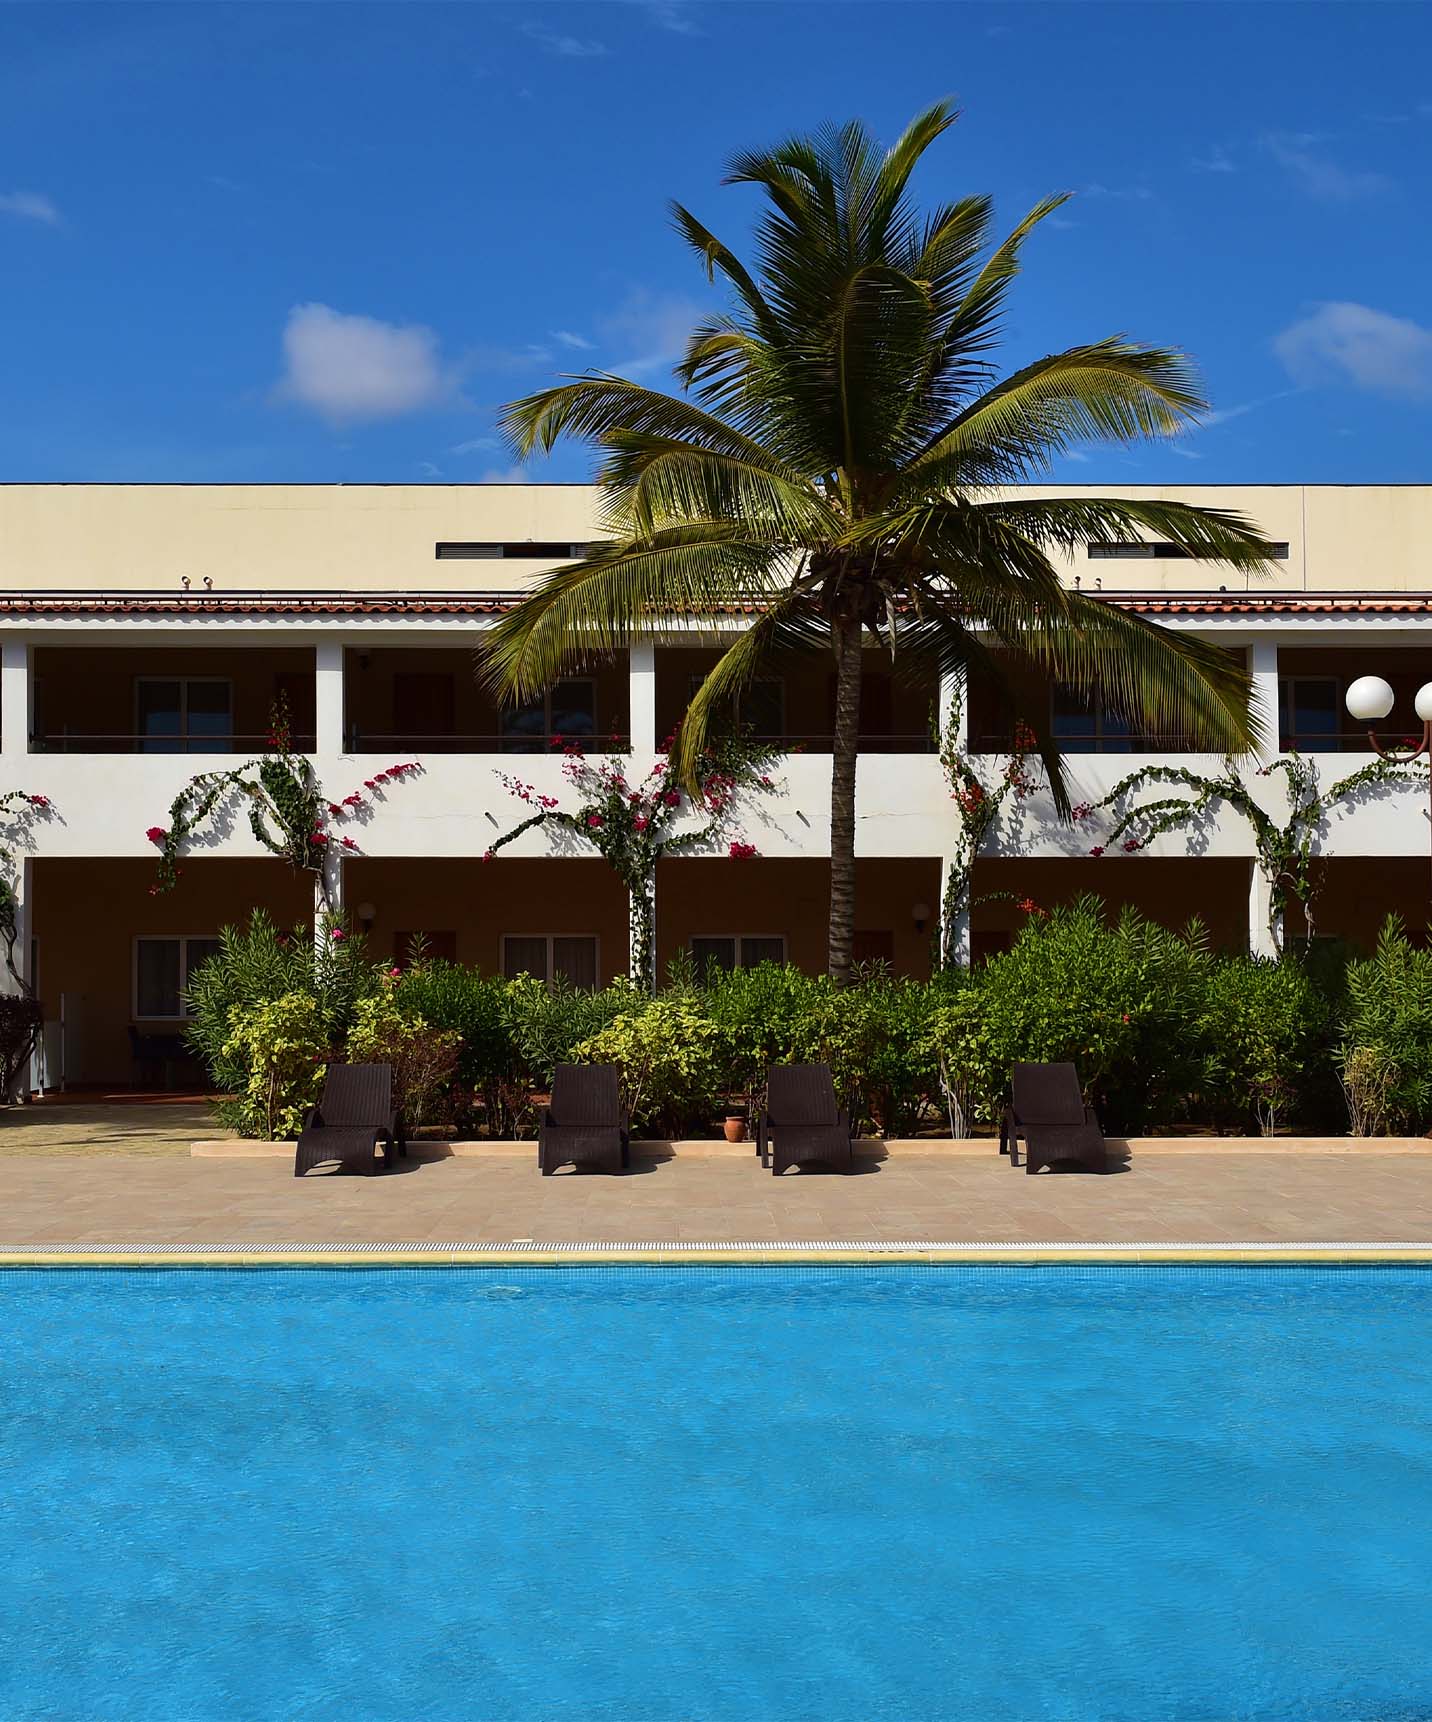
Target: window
551	957
737	950
1081	725
568	709
761	707
163	968
524	550
1159	550
1310	713
183	714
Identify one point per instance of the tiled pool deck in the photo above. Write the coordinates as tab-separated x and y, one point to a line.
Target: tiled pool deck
152	1201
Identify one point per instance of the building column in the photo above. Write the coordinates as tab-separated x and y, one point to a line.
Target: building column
1263	941
17	701
642	673
328	895
328	698
954	941
1263	666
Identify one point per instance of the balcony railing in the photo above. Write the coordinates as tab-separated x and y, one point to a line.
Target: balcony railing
373	741
67	741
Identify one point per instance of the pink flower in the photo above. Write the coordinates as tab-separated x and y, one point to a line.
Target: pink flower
489	854
742	851
319	839
1081	810
1125	1016
348	843
672	798
594	821
393	974
370	783
338	935
335	810
1131	845
1098	849
764	782
38	800
640	823
156	834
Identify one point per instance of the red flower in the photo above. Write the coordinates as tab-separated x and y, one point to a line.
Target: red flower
338	935
318	838
370	783
335	810
156	834
1126	1016
672	798
1132	845
348	843
38	800
489	854
742	851
594	821
1098	849
640	823
393	974
1081	810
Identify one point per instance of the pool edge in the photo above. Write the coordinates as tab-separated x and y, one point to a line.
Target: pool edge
734	1254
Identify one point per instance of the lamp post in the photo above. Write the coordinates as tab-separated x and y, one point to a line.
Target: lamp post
1369	699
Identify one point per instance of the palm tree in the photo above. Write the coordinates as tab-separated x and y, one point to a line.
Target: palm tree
840	459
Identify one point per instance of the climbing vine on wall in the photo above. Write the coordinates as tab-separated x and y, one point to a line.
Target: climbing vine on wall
1286	852
18	809
977	808
633	825
288	811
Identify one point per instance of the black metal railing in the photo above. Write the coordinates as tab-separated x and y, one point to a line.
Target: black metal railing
66	741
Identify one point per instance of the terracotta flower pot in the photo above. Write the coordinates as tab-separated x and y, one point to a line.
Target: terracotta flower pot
735	1129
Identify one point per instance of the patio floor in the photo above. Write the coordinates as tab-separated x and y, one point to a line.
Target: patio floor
160	1198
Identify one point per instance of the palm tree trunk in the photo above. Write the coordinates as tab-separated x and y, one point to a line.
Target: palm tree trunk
845	636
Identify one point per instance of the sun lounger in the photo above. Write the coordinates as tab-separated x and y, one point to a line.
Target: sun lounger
354	1115
585	1124
1049	1114
801	1121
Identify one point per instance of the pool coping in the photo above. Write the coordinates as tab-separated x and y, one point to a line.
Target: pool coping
525	1253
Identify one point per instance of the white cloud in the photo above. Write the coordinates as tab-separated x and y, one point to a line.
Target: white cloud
1123	193
349	369
1217	160
673	15
652	328
567	47
567	338
1344	342
30	206
476	445
1316	175
1222	416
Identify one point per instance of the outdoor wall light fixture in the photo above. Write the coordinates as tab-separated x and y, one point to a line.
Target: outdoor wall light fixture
366	914
1369	699
919	914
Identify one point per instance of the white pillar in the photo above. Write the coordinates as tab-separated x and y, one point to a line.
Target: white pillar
642	963
1263	665
23	880
1262	941
955	930
16	700
328	893
328	698
642	672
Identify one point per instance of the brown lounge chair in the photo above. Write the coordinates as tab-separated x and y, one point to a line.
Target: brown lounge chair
585	1124
1049	1113
354	1115
802	1116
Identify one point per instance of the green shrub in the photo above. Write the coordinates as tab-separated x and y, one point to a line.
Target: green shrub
549	1021
1265	1032
1385	1058
757	1014
281	1046
424	1058
490	1069
875	1036
666	1050
257	962
1121	1002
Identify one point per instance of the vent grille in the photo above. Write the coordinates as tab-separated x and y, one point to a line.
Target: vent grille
527	550
1159	549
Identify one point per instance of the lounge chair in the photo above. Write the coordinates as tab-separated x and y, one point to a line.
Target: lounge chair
1048	1111
585	1124
801	1115
354	1115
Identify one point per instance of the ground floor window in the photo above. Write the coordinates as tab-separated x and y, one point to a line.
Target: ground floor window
737	950
551	957
163	968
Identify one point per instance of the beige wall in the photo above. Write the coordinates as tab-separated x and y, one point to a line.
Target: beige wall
791	898
479	901
87	915
382	537
1168	891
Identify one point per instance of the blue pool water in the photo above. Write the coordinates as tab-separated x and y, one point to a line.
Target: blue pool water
707	1495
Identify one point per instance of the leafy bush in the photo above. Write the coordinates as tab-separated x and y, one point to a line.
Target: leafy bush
281	1046
666	1050
550	1021
757	1014
875	1036
1385	1057
490	1069
424	1058
1120	1001
22	1021
258	962
1265	1028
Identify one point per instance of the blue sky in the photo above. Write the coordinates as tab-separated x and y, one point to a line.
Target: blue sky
326	242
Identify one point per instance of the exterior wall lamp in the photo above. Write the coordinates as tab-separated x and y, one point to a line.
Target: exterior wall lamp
1369	699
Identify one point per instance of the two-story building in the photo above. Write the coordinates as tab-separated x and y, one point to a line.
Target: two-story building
146	631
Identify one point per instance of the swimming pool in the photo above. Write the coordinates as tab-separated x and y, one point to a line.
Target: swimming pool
709	1494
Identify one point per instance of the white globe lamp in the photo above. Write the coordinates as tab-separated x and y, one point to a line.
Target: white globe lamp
1370	698
1423	702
